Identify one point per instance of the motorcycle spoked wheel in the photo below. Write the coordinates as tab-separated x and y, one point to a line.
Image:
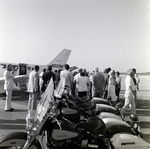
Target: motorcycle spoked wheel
35	145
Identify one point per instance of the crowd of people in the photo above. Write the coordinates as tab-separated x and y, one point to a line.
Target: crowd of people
79	84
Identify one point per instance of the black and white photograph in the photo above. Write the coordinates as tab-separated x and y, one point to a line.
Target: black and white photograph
74	74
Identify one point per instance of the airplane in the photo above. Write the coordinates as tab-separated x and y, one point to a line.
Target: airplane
24	69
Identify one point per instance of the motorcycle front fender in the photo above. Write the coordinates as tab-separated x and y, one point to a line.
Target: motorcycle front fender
16	138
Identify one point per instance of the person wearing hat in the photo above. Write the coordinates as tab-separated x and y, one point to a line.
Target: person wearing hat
129	96
9	75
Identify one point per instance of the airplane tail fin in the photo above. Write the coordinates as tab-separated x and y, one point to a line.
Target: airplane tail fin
61	58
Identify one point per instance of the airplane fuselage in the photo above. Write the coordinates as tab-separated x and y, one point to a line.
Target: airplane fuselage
25	69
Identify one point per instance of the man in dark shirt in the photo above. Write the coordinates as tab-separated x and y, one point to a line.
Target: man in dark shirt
48	74
98	81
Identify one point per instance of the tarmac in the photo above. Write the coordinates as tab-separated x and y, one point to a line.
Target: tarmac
16	120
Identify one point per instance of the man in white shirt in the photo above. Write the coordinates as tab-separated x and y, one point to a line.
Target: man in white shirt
75	81
136	81
66	81
129	96
33	88
41	79
83	83
9	75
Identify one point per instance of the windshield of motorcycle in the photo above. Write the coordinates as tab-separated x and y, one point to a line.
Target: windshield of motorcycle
46	107
46	104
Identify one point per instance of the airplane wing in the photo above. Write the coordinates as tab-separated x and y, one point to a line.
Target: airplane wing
21	78
20	83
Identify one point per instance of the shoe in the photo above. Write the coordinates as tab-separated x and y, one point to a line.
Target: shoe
10	110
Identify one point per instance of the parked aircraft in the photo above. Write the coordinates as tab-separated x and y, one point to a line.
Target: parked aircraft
23	70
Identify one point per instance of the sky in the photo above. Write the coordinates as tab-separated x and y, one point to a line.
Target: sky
100	33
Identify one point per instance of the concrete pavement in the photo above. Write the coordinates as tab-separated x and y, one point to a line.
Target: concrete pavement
16	120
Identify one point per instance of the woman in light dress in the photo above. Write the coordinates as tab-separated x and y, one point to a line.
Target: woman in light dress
111	87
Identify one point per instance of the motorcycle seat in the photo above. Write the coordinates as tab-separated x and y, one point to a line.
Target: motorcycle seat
94	125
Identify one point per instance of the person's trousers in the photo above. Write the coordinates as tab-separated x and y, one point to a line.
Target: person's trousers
8	99
96	93
135	97
129	103
32	101
82	94
104	94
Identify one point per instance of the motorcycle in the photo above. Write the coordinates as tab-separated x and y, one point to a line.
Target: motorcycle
47	131
83	110
132	121
77	106
76	111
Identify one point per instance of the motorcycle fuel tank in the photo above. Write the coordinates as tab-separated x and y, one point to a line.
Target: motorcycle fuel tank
59	134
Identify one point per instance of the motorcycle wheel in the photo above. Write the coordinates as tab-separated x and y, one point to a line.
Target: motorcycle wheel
19	145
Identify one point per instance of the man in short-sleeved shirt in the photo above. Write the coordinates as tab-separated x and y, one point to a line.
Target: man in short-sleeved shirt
129	96
83	83
129	83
